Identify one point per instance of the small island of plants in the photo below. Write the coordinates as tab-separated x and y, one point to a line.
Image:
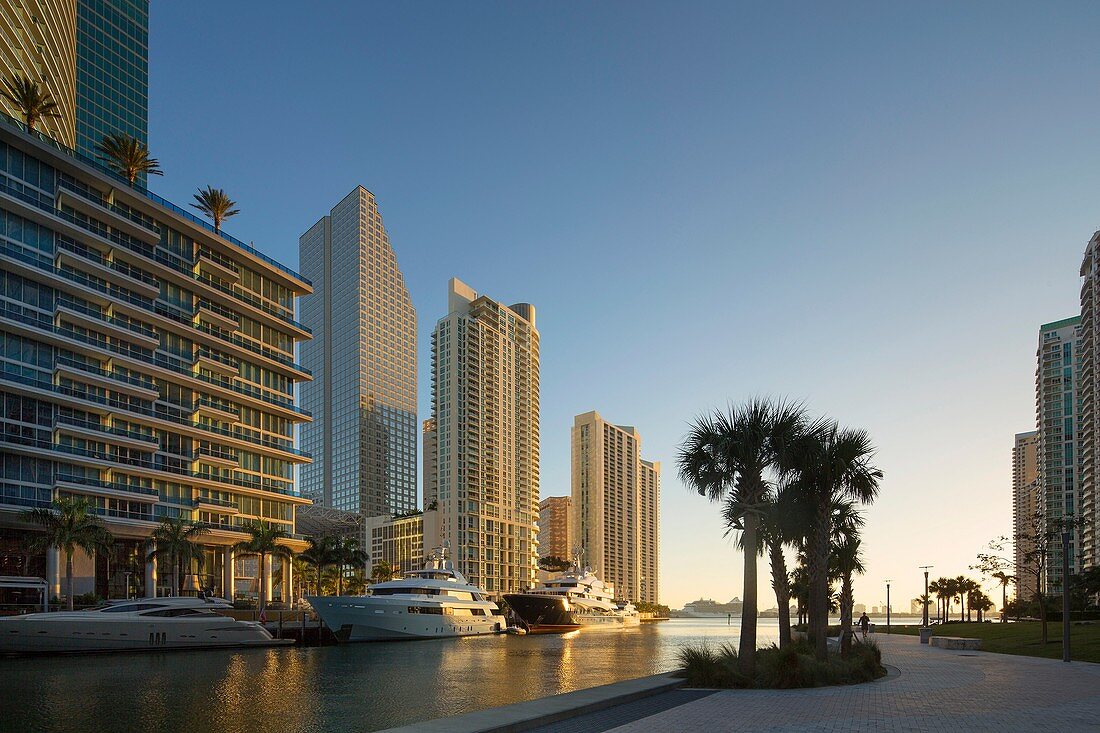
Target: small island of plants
779	668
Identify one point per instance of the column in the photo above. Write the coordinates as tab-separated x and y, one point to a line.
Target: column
288	583
267	578
151	578
229	574
53	571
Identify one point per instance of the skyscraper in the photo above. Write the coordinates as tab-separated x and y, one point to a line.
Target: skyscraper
363	356
1056	405
92	56
556	527
485	403
1025	503
1088	421
615	506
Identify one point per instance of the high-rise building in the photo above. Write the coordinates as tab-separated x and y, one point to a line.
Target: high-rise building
92	56
1025	504
146	365
485	403
555	527
363	356
615	506
1056	406
404	542
1088	421
430	448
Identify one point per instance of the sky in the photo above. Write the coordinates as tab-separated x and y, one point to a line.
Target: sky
870	207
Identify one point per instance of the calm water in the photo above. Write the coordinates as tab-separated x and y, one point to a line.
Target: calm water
355	687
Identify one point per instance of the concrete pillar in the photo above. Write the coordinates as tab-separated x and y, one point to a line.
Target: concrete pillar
151	578
53	571
228	573
267	577
288	582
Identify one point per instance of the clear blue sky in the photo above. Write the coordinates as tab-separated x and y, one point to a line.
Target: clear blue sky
866	206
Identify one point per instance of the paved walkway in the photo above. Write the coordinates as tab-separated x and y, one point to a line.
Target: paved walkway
927	690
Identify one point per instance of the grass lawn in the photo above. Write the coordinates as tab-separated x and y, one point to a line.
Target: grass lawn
1022	638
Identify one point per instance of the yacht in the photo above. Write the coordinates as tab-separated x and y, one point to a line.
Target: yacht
145	624
569	601
434	602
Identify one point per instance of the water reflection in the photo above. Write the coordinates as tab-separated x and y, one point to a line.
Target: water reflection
353	687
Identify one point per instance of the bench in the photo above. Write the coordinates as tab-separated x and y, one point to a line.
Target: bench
955	642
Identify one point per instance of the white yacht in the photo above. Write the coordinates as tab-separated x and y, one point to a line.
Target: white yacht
424	604
145	624
569	601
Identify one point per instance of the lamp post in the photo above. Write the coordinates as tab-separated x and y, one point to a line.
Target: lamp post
887	606
925	568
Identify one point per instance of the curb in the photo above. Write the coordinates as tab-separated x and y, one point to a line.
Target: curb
523	716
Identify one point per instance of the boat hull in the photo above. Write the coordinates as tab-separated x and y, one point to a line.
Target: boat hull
358	619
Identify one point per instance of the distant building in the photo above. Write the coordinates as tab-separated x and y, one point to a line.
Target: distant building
859	608
404	542
555	535
363	435
485	404
916	607
1088	424
615	506
1025	504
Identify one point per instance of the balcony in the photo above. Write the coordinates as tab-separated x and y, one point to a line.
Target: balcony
116	216
204	406
207	359
216	457
84	259
81	372
215	315
112	489
113	326
214	266
67	425
210	504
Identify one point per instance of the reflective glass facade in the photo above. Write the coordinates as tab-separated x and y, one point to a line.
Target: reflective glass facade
363	357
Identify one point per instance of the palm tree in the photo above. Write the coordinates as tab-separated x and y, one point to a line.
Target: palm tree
778	527
215	203
263	541
962	589
69	525
30	98
382	571
320	554
828	463
174	541
848	556
727	456
128	156
348	553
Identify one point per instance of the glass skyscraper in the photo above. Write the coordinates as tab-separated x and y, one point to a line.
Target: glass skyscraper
363	358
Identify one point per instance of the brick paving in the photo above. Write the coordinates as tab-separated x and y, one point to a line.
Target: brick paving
624	713
927	690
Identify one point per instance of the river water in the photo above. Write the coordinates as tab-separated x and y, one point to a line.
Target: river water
352	687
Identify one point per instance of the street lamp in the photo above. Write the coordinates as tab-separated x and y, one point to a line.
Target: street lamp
925	568
887	606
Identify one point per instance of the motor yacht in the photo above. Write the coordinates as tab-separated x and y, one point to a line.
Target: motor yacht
146	624
434	602
569	601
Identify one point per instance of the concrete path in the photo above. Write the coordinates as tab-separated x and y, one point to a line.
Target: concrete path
927	690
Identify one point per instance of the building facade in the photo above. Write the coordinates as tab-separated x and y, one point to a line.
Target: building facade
363	436
555	527
92	56
404	542
1025	505
1088	422
1057	407
485	403
616	495
147	365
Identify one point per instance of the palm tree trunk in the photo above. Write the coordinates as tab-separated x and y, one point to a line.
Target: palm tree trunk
69	579
1042	611
846	601
746	651
263	585
320	569
819	580
1004	603
782	587
340	579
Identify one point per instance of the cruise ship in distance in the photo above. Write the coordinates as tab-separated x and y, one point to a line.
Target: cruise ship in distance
708	608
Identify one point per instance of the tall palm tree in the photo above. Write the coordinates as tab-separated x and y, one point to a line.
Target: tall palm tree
800	589
828	463
728	456
215	203
175	541
936	590
32	99
1004	579
263	541
962	588
68	525
128	156
778	528
848	556
320	554
348	553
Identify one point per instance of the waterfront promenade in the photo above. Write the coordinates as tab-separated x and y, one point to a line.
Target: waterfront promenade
927	690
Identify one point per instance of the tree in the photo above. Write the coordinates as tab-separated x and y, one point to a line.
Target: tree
848	556
993	564
727	457
1035	545
67	526
1004	579
128	156
320	554
215	203
800	589
382	571
263	542
174	543
828	463
348	553
554	564
936	588
31	99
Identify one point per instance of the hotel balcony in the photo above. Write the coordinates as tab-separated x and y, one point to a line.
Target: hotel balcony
78	428
217	457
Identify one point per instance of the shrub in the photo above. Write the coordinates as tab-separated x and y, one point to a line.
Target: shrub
792	667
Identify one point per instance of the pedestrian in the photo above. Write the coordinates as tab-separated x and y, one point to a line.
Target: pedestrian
864	624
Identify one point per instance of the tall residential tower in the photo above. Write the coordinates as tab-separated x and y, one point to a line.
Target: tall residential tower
1025	504
363	356
615	506
485	404
1088	421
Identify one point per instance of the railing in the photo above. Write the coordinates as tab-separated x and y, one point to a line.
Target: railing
100	371
113	208
110	430
120	267
215	502
218	405
113	485
123	323
121	181
43	322
32	257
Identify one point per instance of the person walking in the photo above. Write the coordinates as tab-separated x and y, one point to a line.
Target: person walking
864	624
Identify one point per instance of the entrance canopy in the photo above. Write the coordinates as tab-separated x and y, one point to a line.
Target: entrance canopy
26	583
